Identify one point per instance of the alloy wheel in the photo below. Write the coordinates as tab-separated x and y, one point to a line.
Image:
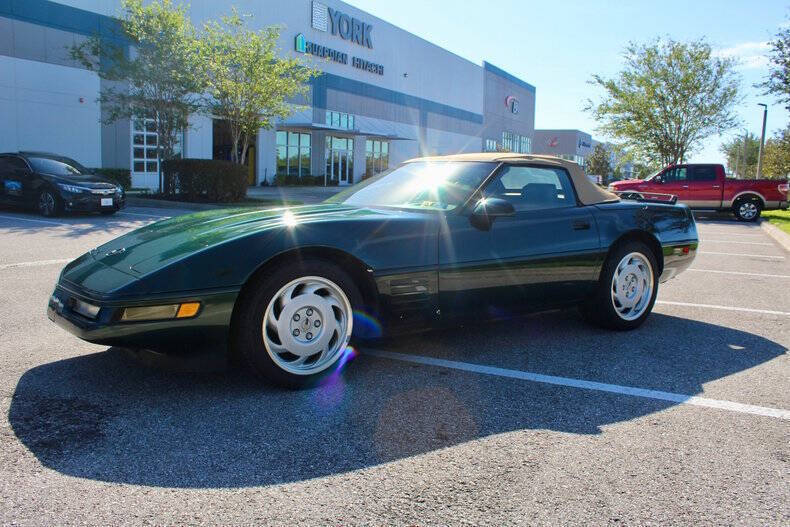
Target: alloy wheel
46	203
307	325
632	286
747	210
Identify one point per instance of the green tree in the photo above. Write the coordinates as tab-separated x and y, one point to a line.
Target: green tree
642	170
599	163
249	86
741	153
776	156
669	98
778	81
155	63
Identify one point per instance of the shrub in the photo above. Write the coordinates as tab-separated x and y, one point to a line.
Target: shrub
122	176
205	179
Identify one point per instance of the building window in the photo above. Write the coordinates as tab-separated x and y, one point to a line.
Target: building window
512	142
340	120
145	159
491	145
579	160
377	158
293	154
144	145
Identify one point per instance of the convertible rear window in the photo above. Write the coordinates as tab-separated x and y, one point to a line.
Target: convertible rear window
434	185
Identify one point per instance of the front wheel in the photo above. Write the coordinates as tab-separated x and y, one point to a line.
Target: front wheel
747	209
627	288
294	325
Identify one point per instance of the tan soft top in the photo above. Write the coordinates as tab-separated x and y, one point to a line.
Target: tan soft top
588	193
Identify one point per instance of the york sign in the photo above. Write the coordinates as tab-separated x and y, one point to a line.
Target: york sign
338	23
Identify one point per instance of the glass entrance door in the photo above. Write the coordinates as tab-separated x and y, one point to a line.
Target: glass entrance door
339	160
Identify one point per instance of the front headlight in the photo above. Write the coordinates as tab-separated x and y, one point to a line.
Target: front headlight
74	189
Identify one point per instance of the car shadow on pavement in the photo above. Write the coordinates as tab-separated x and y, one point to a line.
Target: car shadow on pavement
103	416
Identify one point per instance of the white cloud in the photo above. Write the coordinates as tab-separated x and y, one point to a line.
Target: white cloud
750	55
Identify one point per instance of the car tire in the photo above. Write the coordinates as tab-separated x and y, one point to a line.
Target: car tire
49	203
293	326
629	275
747	209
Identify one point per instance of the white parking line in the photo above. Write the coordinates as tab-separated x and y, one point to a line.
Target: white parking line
32	220
37	263
765	256
740	273
586	385
724	233
734	241
725	308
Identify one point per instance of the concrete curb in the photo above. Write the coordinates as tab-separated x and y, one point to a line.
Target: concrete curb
164	204
777	234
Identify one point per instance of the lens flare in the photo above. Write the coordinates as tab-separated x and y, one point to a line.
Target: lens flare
366	325
330	392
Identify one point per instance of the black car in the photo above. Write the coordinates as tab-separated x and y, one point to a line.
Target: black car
53	184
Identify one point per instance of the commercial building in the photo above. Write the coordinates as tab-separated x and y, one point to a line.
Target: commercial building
385	95
573	145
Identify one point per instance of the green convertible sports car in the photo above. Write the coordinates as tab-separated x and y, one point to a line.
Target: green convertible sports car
429	243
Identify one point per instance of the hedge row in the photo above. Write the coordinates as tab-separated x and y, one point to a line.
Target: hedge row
122	176
205	179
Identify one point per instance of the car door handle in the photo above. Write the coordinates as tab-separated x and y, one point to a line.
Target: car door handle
581	225
716	187
685	187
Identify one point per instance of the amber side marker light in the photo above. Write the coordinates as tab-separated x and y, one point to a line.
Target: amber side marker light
187	310
166	312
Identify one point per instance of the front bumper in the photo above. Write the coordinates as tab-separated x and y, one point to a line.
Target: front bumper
89	202
208	329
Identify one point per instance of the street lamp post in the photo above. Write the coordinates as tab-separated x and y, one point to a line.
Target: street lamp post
762	142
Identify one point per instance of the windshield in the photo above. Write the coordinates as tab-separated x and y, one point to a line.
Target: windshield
57	167
429	185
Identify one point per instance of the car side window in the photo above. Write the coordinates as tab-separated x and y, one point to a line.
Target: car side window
703	173
14	164
532	187
675	175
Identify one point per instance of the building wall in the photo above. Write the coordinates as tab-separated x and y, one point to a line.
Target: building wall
427	101
500	87
563	143
49	107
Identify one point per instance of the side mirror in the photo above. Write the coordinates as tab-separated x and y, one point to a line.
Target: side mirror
658	179
488	209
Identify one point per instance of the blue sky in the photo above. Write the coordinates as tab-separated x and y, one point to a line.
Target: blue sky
557	45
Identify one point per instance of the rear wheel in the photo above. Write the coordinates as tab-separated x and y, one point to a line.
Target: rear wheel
49	204
293	326
627	289
747	209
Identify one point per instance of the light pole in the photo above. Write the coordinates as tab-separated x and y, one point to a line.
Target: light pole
762	142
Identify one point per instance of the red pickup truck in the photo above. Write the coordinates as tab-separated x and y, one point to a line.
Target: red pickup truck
705	187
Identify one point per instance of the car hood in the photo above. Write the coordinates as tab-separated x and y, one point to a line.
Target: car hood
159	244
84	180
626	183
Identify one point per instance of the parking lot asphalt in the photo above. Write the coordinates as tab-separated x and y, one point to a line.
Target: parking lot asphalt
539	420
